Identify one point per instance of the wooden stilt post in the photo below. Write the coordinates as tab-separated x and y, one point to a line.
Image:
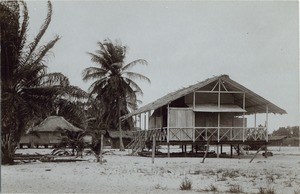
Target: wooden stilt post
153	147
207	148
244	106
218	153
168	150
140	121
101	149
230	151
221	148
219	107
267	126
266	150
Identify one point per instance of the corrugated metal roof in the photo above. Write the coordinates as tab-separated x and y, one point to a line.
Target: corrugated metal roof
254	102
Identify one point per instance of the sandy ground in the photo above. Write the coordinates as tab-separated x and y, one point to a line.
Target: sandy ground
133	174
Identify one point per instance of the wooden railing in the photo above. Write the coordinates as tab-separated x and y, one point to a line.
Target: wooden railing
204	134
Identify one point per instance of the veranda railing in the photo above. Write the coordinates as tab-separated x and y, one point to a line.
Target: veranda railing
204	134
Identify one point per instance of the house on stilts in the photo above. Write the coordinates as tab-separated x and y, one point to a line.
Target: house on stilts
210	112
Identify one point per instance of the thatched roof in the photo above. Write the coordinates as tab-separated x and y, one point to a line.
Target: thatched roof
116	134
254	102
54	123
277	137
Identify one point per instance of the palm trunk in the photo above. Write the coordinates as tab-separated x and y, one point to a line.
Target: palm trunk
97	157
8	149
120	127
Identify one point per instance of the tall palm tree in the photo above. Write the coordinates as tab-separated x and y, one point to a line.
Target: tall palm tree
114	84
28	92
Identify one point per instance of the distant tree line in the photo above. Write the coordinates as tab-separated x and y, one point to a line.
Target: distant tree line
287	131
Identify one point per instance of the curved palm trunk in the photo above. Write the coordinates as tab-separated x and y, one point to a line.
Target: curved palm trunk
120	127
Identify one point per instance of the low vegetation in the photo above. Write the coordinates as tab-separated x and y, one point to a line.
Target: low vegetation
235	189
269	190
211	188
186	184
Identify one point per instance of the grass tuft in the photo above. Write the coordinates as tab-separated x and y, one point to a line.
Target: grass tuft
235	189
269	190
186	184
212	188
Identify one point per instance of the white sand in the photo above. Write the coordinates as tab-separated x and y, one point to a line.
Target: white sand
134	174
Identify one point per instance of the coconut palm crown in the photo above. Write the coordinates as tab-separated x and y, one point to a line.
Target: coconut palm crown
114	83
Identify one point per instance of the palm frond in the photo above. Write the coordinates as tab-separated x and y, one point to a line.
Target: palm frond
30	75
71	111
45	49
103	49
134	85
51	79
34	44
97	86
24	25
91	73
133	75
134	63
76	92
99	60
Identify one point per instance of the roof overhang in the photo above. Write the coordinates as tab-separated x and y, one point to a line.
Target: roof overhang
215	108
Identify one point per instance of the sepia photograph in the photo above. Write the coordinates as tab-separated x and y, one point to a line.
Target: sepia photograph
150	96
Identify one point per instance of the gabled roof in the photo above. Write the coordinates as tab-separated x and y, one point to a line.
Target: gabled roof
254	102
54	123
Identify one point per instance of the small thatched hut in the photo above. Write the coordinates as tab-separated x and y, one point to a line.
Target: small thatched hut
115	138
277	140
48	132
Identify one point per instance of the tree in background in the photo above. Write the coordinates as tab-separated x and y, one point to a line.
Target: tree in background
28	93
287	131
114	84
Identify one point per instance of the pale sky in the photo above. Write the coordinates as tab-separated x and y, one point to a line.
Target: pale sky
255	43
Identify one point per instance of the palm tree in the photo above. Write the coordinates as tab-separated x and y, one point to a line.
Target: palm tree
29	93
114	84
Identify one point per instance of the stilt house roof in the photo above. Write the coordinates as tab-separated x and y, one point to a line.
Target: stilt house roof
254	103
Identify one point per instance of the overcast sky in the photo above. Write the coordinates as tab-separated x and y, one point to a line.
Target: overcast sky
255	43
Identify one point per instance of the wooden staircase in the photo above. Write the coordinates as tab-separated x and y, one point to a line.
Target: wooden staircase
141	139
138	143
